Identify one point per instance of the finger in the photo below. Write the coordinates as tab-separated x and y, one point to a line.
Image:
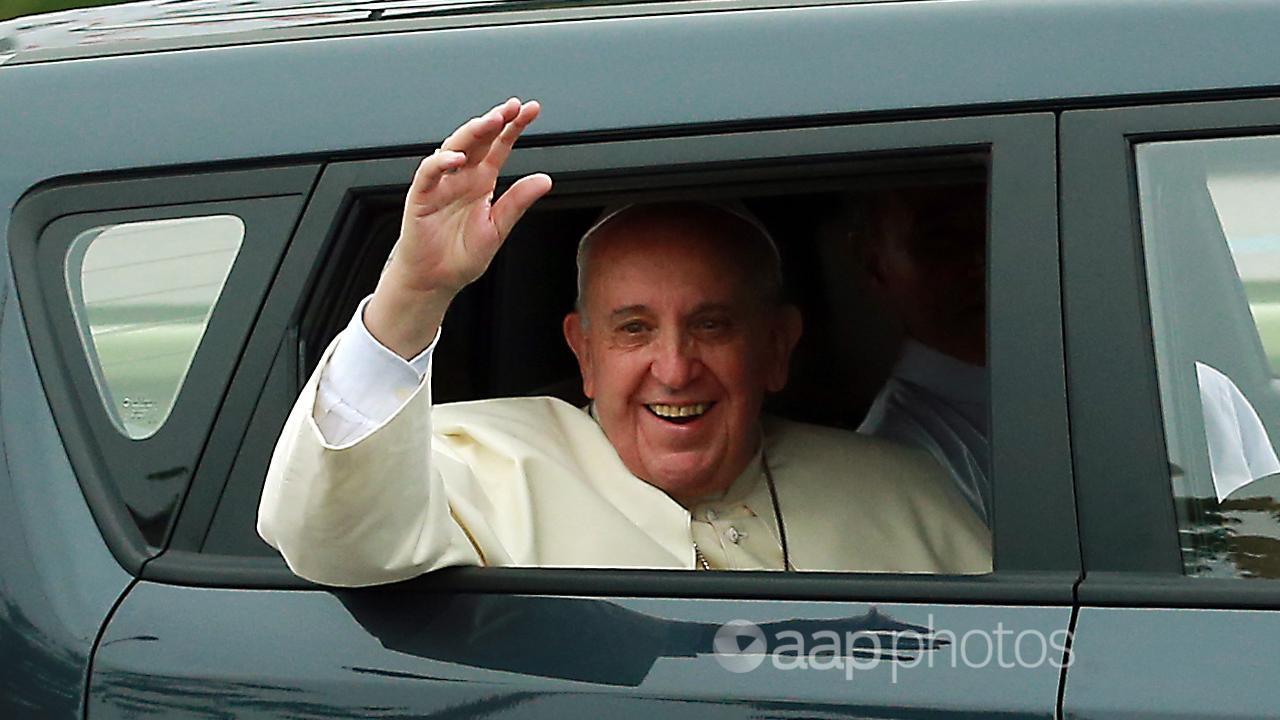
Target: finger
518	198
507	138
509	109
474	137
429	172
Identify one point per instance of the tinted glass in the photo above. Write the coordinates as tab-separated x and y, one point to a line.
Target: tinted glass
142	294
1210	214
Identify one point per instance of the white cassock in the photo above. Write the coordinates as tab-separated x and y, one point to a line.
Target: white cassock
535	482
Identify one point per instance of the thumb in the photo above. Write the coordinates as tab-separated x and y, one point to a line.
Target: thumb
518	198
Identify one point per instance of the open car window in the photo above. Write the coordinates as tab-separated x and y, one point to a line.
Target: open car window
876	261
815	191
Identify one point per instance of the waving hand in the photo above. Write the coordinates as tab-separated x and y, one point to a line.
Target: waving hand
451	228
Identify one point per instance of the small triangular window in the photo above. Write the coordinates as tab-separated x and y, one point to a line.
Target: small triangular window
143	293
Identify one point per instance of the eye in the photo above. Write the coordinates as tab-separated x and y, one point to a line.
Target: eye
635	327
711	325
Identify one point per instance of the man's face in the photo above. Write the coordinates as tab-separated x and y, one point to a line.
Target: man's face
936	279
677	352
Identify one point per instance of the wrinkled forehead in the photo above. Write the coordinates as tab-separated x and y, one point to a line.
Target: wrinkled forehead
702	242
652	237
685	257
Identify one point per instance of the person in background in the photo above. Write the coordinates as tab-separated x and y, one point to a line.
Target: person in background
924	251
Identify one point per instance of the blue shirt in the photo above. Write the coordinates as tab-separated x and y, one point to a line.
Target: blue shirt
938	403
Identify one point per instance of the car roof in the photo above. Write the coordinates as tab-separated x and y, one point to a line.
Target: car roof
663	68
201	19
182	24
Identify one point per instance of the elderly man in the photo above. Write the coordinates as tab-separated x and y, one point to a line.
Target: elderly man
679	334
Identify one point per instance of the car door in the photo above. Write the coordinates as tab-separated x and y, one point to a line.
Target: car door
1169	260
218	625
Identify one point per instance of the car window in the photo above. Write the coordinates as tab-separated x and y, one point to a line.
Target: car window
925	236
503	336
142	294
1210	212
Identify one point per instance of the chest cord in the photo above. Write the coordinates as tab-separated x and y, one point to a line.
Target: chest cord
777	514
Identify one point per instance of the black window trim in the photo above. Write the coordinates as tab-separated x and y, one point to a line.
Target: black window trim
63	366
1131	558
1039	542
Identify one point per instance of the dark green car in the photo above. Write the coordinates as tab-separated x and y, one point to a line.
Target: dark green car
189	217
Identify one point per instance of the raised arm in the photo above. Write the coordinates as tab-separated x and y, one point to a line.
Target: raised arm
371	505
451	229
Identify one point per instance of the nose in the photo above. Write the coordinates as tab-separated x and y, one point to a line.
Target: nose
675	361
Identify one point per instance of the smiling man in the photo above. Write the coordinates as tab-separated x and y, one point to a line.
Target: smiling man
679	333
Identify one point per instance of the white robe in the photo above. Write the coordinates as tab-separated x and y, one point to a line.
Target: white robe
535	482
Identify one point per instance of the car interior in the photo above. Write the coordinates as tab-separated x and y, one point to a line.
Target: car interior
502	336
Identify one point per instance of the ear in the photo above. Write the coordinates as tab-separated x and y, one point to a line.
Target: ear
873	262
576	335
788	325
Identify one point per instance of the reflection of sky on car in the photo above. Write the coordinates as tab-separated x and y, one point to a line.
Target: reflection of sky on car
160	19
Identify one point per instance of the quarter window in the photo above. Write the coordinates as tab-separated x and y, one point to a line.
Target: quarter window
142	294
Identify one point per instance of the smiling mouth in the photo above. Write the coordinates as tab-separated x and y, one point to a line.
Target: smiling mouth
679	414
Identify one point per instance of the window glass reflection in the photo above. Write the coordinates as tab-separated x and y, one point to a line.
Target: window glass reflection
142	294
1210	212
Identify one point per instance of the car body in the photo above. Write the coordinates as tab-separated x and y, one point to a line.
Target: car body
133	582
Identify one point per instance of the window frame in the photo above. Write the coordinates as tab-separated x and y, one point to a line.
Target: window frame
1131	557
45	222
1036	544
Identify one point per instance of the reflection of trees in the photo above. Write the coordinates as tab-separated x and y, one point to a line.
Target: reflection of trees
605	649
608	648
40	674
589	640
1239	536
43	654
121	693
166	697
18	8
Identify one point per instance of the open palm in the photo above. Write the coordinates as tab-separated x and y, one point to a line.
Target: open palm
451	227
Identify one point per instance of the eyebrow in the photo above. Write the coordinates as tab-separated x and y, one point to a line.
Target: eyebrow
712	307
628	311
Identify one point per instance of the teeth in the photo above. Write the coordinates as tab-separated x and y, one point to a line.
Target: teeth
679	411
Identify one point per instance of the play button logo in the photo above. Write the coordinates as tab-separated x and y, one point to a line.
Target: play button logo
740	646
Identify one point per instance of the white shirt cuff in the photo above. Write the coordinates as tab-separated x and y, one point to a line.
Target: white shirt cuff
365	383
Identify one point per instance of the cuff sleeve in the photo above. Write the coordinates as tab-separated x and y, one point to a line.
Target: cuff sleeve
364	383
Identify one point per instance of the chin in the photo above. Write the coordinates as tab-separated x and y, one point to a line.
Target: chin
681	479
